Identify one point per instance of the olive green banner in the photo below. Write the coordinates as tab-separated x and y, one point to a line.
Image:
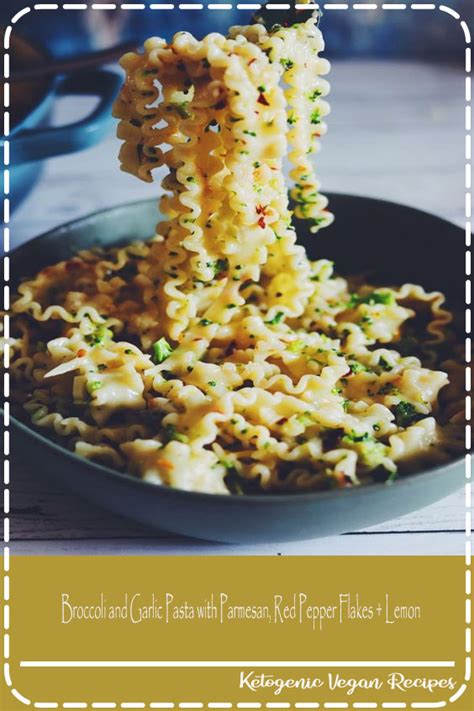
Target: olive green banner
222	632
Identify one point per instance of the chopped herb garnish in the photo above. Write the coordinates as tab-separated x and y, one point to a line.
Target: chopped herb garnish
276	319
296	346
313	95
205	322
305	419
357	367
94	385
219	266
172	434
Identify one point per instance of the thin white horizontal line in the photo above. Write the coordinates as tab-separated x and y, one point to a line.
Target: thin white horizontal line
232	663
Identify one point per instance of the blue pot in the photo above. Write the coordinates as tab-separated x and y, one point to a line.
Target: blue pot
32	140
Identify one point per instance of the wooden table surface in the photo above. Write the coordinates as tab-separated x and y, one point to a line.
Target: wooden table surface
395	132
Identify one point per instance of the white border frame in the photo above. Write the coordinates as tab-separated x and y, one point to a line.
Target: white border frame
392	6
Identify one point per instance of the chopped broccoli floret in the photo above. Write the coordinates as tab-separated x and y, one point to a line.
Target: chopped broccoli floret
219	266
406	414
172	434
276	319
370	452
161	351
287	64
94	385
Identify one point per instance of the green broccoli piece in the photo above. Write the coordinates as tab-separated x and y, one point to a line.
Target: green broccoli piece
406	414
161	351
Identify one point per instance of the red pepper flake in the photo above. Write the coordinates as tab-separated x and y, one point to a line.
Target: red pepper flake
81	353
262	100
252	61
262	223
261	209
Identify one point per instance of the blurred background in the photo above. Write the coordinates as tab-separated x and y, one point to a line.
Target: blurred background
396	128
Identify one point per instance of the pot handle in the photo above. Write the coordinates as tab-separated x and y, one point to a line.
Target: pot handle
40	143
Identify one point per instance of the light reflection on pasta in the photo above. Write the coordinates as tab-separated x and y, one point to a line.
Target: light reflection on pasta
216	357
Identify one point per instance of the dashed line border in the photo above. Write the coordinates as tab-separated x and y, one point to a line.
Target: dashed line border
361	6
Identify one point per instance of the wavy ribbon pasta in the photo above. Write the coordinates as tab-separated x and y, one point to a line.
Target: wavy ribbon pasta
216	357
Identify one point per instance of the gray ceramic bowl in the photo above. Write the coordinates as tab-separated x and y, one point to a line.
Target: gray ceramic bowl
397	244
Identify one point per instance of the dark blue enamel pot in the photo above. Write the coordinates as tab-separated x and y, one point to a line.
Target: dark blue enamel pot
31	139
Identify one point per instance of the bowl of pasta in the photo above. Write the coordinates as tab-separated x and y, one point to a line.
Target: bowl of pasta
239	373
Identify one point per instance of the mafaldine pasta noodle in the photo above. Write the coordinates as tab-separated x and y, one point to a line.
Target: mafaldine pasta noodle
216	357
